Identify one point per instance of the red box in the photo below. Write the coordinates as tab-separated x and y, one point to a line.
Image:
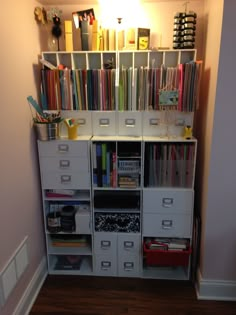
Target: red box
158	257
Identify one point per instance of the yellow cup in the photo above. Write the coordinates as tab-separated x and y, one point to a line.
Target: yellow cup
72	132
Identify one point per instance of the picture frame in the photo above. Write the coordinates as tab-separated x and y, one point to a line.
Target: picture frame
84	15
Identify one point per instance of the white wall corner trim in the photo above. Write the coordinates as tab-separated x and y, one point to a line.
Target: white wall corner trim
215	289
32	290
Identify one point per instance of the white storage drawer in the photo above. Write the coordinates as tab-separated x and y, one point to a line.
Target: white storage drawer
128	244
105	243
63	164
104	123
63	148
105	265
65	180
128	266
166	201
171	225
83	222
129	123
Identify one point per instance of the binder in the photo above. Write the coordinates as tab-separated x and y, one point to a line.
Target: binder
84	35
99	164
68	36
104	164
95	37
94	150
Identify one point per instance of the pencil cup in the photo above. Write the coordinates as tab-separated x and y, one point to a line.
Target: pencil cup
47	131
72	132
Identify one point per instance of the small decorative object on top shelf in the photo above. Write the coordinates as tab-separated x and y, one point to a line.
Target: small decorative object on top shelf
143	38
45	17
184	29
188	132
85	21
54	16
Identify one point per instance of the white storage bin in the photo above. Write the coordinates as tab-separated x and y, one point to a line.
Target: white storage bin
64	164
105	265
104	123
83	222
65	180
129	244
63	148
105	243
83	118
128	265
167	201
129	123
171	225
153	125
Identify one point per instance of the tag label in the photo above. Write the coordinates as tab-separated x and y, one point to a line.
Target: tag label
168	98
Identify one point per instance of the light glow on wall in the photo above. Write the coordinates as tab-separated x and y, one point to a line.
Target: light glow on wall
130	11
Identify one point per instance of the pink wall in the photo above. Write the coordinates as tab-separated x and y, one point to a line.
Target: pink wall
220	236
20	212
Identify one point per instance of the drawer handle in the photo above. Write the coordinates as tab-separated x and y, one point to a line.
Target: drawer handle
104	122
128	266
105	265
65	179
167	202
128	245
64	163
105	244
130	122
167	224
63	148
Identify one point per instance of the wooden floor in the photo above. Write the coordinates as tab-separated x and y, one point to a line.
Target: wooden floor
120	296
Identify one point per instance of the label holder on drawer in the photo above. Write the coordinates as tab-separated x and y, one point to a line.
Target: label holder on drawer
104	122
63	148
64	163
128	245
65	179
167	202
105	265
128	266
167	224
105	244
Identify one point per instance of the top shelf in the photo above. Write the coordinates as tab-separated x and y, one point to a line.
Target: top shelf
123	58
70	2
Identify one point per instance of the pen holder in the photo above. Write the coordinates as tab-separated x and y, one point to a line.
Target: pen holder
47	131
72	132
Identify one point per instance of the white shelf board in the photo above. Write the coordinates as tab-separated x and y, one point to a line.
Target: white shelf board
170	273
85	268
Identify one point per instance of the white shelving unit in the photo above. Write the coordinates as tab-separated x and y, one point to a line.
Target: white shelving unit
65	168
141	188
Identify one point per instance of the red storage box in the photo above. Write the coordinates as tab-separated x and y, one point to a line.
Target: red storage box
158	257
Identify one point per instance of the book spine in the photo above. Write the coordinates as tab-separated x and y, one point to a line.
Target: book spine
95	179
68	36
84	35
99	164
104	162
114	172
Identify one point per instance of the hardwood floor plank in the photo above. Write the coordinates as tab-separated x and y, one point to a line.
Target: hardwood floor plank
63	295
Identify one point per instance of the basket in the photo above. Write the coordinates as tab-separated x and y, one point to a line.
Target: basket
158	257
47	131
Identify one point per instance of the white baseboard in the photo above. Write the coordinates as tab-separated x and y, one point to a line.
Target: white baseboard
215	289
32	290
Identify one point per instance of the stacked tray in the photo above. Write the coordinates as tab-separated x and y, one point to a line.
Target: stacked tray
184	30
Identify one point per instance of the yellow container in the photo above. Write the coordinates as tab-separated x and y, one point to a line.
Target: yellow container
72	132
